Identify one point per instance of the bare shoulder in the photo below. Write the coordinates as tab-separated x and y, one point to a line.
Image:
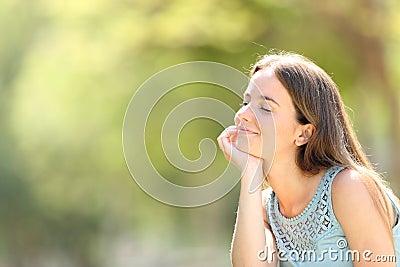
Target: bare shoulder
358	215
363	225
348	181
349	192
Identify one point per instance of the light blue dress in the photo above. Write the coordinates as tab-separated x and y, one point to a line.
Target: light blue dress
315	237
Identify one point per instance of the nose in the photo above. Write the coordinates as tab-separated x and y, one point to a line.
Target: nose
245	114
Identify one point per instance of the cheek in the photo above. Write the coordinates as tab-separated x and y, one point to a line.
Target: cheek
268	138
285	133
267	127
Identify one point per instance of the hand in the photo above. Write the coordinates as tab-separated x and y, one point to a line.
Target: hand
250	166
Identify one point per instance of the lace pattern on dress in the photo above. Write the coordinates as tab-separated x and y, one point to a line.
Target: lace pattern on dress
302	232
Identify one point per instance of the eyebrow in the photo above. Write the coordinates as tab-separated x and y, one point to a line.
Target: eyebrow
270	99
267	98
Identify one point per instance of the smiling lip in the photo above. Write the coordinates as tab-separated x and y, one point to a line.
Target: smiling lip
245	131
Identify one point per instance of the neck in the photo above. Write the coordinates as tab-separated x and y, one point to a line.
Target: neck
292	187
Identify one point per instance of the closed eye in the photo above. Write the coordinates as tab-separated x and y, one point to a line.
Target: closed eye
265	109
262	108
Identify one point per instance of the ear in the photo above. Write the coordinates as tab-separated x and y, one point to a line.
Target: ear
305	132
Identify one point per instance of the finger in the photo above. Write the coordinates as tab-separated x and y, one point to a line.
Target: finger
225	141
221	142
221	146
231	133
229	148
226	132
234	136
226	148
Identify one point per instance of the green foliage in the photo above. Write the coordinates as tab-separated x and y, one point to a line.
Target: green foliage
68	70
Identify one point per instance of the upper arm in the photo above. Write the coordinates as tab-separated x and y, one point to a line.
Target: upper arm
363	226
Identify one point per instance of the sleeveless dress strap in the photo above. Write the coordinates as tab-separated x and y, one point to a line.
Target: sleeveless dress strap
395	207
317	220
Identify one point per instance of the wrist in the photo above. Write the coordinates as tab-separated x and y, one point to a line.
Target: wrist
252	178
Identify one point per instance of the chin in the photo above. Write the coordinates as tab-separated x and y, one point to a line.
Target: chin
243	145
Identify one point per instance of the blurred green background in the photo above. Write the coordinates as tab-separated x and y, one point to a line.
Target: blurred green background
67	73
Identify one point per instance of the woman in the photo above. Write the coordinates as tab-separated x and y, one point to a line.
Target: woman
323	204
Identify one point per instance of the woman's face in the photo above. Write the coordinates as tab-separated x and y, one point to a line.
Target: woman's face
266	124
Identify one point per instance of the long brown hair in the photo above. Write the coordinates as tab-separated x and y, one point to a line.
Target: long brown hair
317	101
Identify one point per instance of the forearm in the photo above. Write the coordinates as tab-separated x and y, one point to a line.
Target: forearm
250	235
